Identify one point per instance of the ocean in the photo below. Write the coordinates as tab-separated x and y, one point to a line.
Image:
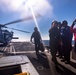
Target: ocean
46	42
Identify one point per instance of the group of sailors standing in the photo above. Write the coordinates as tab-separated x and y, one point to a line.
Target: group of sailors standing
60	42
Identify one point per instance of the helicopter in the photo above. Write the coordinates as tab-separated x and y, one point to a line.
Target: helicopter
6	36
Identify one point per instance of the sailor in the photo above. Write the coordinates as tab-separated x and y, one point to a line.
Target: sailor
66	40
59	52
54	40
73	30
37	39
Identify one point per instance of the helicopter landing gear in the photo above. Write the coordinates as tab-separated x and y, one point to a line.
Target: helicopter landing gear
8	50
11	48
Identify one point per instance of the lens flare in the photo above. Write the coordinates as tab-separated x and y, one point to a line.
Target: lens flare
33	16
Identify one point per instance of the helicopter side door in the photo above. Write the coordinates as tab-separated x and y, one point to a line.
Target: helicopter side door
8	36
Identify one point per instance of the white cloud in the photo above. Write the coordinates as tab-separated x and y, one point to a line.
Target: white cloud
22	6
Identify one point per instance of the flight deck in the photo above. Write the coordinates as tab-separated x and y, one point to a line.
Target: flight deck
20	57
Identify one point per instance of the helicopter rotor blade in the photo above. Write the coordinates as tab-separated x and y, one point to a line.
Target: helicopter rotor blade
18	30
20	20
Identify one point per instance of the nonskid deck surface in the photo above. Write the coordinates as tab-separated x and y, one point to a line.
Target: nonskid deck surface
27	49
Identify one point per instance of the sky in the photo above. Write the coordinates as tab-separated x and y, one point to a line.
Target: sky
49	10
